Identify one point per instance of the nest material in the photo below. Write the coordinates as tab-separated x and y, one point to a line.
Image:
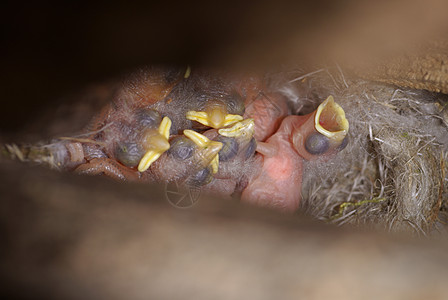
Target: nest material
393	174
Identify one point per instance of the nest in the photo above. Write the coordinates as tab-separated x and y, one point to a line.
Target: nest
393	174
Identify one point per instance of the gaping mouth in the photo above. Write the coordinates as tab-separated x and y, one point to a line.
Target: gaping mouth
330	120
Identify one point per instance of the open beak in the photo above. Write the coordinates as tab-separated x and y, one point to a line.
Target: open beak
323	132
330	120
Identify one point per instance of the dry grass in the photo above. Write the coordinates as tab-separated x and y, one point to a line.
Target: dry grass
393	174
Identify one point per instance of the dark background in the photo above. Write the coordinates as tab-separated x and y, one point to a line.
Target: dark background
50	49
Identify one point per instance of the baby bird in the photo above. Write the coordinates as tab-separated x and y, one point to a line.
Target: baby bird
278	179
192	159
135	143
235	157
267	108
201	101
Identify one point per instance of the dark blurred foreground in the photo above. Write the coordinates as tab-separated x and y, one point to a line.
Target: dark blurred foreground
71	237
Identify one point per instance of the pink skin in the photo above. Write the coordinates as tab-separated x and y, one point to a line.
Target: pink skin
266	108
149	88
274	177
278	182
267	112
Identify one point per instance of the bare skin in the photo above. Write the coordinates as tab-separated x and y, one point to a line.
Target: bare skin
272	178
267	110
277	184
319	134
